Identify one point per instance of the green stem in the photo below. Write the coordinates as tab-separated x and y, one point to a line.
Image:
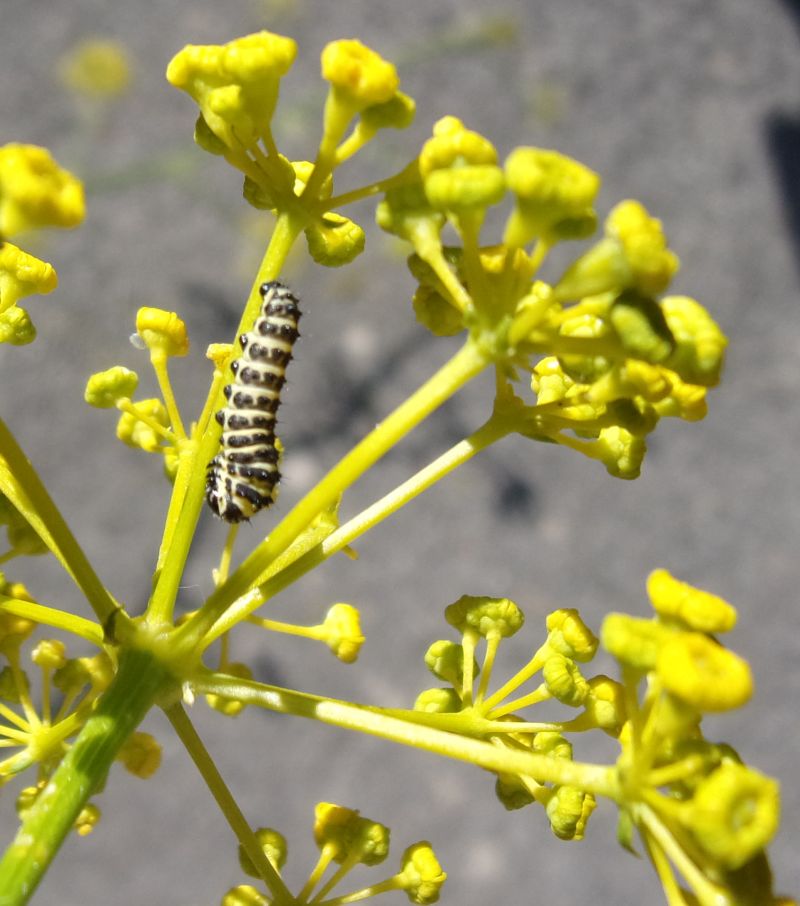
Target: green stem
465	364
83	769
222	795
181	533
23	487
593	778
50	616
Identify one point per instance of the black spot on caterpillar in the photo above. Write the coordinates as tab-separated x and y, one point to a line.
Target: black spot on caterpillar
243	477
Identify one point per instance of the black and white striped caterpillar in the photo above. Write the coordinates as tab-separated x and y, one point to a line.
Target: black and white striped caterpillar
243	477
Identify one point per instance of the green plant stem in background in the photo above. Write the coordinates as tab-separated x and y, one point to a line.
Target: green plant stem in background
140	679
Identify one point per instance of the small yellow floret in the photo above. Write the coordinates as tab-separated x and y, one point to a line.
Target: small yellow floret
349	837
87	820
230	707
219	354
244	895
605	704
235	84
359	75
16	327
564	681
35	192
621	452
554	196
342	628
569	810
438	701
141	755
570	636
633	641
703	674
96	67
21	275
488	617
697	609
50	654
334	240
13	631
421	875
274	846
106	388
734	814
642	239
163	332
700	344
464	187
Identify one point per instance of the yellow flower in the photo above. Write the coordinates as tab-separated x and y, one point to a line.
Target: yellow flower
641	236
421	876
633	641
273	843
96	67
347	836
734	814
106	388
359	77
703	674
438	701
488	617
570	636
235	84
333	240
141	755
434	312
700	345
564	681
554	196
134	432
87	820
569	810
621	452
21	275
342	632
163	332
244	895
35	192
16	327
50	654
696	609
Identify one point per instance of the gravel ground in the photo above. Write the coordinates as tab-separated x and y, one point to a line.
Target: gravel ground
691	107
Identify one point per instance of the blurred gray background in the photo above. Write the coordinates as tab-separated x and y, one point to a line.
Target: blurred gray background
692	107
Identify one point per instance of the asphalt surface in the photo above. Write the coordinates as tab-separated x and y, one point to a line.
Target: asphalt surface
691	107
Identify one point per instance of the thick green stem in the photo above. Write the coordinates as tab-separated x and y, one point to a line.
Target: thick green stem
129	697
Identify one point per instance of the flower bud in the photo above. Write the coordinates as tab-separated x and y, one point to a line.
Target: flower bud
421	875
734	814
569	810
106	388
564	681
162	332
358	75
275	849
554	197
700	345
140	754
703	674
570	636
349	836
16	327
696	609
438	701
134	432
49	654
333	240
489	617
21	275
342	628
445	660
434	312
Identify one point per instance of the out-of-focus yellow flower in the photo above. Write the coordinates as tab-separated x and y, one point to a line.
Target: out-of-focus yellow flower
274	846
141	755
21	275
96	67
700	344
621	452
235	84
342	632
570	636
734	814
702	673
359	76
35	192
695	608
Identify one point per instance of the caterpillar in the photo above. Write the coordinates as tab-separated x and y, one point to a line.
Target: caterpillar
243	477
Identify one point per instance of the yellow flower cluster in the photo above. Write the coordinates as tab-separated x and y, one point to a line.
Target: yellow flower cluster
34	193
